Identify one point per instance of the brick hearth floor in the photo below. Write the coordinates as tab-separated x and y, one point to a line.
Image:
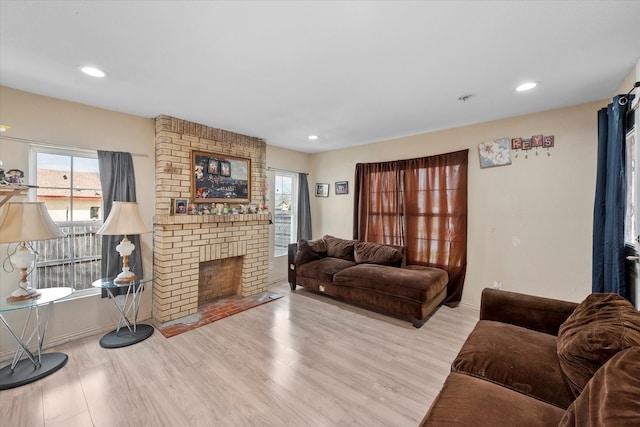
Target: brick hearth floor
215	310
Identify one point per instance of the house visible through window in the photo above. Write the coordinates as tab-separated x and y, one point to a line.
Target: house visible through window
69	185
285	211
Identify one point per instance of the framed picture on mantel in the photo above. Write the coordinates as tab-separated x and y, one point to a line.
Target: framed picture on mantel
219	178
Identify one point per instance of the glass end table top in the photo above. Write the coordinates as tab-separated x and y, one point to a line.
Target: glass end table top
109	283
47	295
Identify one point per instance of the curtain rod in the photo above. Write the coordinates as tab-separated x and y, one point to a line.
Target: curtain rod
625	98
286	170
60	147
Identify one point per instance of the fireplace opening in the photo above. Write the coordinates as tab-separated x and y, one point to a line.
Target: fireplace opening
219	278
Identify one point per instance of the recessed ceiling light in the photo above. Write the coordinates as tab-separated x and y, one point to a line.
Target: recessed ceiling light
313	137
93	71
4	128
526	86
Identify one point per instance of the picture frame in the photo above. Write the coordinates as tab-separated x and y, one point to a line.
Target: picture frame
225	168
220	178
495	153
342	187
214	167
322	190
180	206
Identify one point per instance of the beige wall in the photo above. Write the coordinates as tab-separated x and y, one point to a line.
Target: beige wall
529	222
68	124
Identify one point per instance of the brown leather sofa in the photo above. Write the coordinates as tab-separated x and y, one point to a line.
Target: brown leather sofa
367	274
533	361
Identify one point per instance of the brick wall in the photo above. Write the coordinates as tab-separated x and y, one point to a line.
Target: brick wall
182	242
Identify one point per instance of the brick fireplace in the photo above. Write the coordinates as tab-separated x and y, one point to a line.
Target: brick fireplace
186	247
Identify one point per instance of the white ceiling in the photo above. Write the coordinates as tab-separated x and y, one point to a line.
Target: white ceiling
352	72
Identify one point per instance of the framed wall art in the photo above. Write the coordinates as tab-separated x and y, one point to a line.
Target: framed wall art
495	153
342	187
322	190
219	178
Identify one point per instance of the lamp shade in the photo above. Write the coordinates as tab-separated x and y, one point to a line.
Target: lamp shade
27	222
124	219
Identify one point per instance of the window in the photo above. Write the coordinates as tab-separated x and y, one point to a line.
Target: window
285	211
420	204
69	185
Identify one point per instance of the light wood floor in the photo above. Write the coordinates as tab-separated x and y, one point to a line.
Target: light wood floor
302	360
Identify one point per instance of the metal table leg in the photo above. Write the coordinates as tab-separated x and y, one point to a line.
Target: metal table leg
127	305
24	370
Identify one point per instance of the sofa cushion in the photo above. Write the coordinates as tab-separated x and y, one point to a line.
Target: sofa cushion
339	248
309	250
472	402
323	268
517	358
417	285
376	253
612	397
599	327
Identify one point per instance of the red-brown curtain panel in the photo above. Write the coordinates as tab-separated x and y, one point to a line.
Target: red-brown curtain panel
377	203
421	204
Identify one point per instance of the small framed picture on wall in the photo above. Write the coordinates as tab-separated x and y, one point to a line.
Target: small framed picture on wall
342	187
322	190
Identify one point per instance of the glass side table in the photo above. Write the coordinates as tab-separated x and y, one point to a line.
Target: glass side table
28	366
127	304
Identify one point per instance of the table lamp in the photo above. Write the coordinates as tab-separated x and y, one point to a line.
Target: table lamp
24	223
124	219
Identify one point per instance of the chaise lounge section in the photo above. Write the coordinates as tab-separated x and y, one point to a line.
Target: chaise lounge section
368	274
533	361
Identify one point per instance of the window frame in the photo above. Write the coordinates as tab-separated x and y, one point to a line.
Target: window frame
33	196
294	209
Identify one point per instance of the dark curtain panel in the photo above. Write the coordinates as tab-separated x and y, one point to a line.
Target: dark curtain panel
118	183
608	262
421	204
304	208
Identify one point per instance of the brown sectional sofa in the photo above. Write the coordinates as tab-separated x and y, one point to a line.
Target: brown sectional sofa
533	361
371	275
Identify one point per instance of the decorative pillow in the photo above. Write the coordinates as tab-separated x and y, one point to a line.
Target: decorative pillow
612	397
339	248
375	253
600	326
310	250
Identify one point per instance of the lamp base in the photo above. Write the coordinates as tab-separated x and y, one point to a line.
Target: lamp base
125	277
23	294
